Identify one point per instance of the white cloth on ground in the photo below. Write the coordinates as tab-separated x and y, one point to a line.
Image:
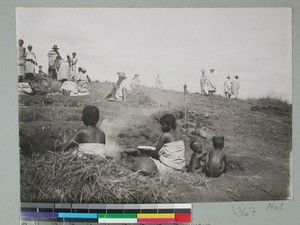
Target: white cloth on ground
24	89
74	89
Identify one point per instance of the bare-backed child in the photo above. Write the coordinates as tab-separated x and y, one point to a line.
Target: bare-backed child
91	139
216	159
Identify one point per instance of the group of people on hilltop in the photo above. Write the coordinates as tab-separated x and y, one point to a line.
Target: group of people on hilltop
208	84
58	68
63	70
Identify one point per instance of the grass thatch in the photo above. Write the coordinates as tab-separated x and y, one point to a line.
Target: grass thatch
64	177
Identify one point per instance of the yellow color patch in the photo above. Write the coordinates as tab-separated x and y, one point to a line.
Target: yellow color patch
156	215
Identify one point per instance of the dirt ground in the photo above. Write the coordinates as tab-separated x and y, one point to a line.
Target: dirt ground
258	135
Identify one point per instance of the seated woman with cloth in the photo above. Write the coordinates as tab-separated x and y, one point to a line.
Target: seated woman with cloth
169	153
90	140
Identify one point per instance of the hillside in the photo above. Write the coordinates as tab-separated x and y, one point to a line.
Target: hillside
258	143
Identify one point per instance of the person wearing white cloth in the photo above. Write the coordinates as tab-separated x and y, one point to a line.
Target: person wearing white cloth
90	140
211	82
30	63
63	69
227	87
169	153
235	87
122	88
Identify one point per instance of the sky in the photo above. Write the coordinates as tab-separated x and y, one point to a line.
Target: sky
176	43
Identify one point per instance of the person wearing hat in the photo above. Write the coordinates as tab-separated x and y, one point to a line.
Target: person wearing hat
211	83
52	60
73	62
120	89
235	87
21	59
227	87
203	83
30	63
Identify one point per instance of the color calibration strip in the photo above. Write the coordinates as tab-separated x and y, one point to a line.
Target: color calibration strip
90	214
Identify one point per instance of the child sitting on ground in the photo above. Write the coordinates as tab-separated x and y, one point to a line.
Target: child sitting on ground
169	153
90	140
216	159
197	158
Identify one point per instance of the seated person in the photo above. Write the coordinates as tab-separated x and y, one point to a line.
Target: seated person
169	153
197	158
90	140
120	89
216	159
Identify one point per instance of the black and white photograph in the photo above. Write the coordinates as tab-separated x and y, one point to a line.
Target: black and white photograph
154	105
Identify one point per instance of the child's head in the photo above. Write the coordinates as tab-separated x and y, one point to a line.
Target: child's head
218	142
195	145
20	42
168	122
90	115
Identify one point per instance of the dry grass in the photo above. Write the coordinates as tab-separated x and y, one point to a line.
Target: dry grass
65	177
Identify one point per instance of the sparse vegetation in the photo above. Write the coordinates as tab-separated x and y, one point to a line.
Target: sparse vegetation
257	143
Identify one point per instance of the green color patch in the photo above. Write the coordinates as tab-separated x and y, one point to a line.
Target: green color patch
117	215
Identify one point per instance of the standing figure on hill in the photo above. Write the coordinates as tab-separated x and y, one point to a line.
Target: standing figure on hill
74	61
52	56
211	82
216	159
62	69
21	60
235	87
169	153
227	87
69	61
89	140
203	83
30	63
158	83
